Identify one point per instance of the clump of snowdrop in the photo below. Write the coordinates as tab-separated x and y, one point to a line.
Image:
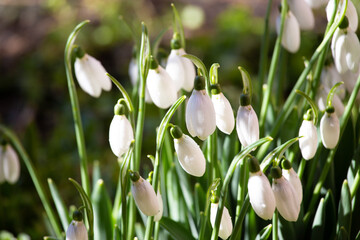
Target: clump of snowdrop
261	196
9	164
180	68
200	113
160	85
290	175
226	225
291	34
287	200
77	229
330	128
90	73
303	14
120	132
190	156
247	123
144	195
309	140
225	120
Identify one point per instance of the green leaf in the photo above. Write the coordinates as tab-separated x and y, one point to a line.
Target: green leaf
318	226
117	234
342	234
264	233
358	236
59	204
330	220
200	197
102	212
96	173
185	187
177	25
176	229
344	209
155	46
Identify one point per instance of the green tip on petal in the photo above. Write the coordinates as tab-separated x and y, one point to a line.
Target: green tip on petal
344	23
253	164
199	83
275	172
79	52
330	109
215	89
134	176
77	216
153	63
176	132
286	164
244	100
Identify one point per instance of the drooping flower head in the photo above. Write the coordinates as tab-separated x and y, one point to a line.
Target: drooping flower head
200	113
225	120
260	193
90	73
120	132
226	226
287	200
309	140
303	14
160	86
290	175
291	34
350	13
330	128
144	195
9	164
190	156
77	229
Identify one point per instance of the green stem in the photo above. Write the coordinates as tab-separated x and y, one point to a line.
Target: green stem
80	140
236	234
275	222
34	176
272	72
203	221
301	169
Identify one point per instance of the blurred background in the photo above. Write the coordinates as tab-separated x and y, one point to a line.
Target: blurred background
34	99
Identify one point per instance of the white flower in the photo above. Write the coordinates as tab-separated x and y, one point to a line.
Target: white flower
144	196
308	142
247	125
225	120
161	88
190	156
287	201
261	195
321	98
76	231
175	69
291	35
345	48
294	180
349	79
303	14
190	73
91	75
9	164
120	134
158	216
200	114
316	3
330	130
133	71
351	13
226	226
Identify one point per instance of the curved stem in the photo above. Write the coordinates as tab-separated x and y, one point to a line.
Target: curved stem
331	94
314	108
214	73
247	87
275	222
80	140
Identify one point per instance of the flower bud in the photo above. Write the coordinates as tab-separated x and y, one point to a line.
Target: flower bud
224	114
290	175
309	140
158	216
330	130
247	125
9	164
226	226
291	34
77	229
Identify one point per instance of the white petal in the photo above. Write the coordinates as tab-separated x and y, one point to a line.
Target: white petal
261	195
295	181
226	226
352	16
247	125
2	155
329	130
291	36
316	3
352	46
303	14
308	143
99	73
225	120
11	165
161	88
340	54
133	72
85	78
120	135
189	70
158	216
145	197
175	69
286	199
76	231
190	156
200	115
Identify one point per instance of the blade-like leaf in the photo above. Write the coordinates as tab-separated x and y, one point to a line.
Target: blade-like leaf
344	209
265	233
59	204
176	229
318	226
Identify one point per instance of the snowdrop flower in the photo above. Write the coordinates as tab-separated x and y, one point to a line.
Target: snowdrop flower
345	48
120	133
247	123
158	216
226	226
190	156
309	140
225	120
350	79
180	69
9	164
290	175
77	229
200	113
303	14
160	86
144	195
316	3
287	201
291	35
90	74
321	98
330	128
350	13
260	193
